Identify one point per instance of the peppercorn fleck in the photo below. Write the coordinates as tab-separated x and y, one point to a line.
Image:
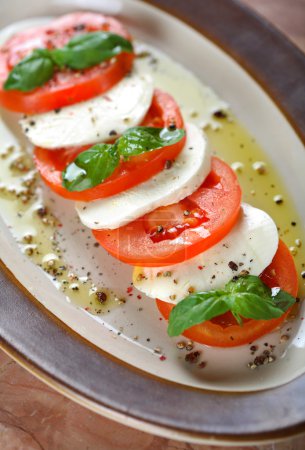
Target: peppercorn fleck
220	114
192	357
168	164
202	365
293	251
181	345
233	266
278	199
259	167
172	126
167	273
101	296
42	211
237	166
189	346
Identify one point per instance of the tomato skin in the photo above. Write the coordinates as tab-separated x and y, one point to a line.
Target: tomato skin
163	112
223	331
219	196
66	87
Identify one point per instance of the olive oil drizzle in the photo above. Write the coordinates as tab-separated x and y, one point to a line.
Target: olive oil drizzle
36	228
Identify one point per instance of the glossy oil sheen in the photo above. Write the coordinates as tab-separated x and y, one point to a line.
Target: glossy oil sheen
136	325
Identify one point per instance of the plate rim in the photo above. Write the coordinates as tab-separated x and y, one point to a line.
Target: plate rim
278	94
120	416
37	314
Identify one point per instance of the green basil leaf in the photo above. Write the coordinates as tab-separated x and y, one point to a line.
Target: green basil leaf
251	284
138	140
90	49
237	317
91	167
82	51
195	309
252	306
246	297
31	72
283	300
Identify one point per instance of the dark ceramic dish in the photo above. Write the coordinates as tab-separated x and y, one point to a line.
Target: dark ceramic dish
43	344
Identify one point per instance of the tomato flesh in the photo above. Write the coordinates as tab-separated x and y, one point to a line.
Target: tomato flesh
175	219
214	209
163	112
67	86
223	331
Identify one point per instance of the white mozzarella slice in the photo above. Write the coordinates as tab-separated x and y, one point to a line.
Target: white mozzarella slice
167	187
250	246
94	120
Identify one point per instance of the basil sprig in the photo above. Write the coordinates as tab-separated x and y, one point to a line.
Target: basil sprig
31	72
81	52
138	140
95	165
87	50
247	297
91	167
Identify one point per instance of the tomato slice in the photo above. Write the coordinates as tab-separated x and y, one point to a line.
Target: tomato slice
175	233
223	331
67	86
163	112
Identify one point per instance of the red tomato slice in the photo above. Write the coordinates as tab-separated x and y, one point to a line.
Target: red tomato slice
175	233
163	112
67	86
223	331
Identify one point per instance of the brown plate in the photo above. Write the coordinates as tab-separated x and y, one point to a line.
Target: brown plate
46	346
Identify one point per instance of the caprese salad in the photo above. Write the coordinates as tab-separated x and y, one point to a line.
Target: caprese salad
145	182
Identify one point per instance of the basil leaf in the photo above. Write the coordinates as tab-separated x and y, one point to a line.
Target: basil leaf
195	309
31	72
91	167
252	306
82	51
90	49
283	300
138	140
250	283
247	297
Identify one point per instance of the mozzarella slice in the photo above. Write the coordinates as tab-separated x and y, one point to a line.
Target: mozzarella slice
96	120
169	186
251	246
